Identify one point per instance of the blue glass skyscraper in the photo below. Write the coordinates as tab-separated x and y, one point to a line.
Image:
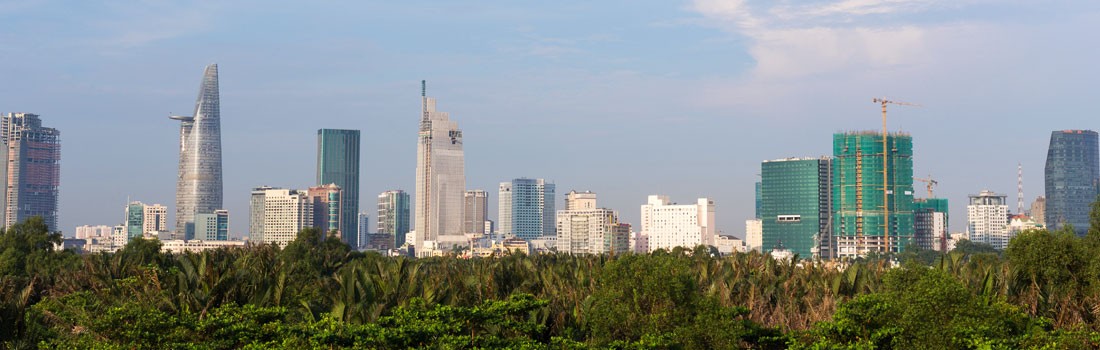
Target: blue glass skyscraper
1072	178
338	163
199	185
526	208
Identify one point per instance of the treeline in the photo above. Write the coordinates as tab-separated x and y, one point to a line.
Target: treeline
1042	292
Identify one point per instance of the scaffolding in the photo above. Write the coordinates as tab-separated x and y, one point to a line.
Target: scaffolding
873	192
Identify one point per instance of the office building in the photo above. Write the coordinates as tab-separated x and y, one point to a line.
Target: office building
199	185
338	163
440	180
328	213
668	225
213	226
796	206
286	212
582	228
930	224
754	235
256	213
393	215
987	219
476	210
872	193
155	218
526	208
1072	179
93	232
364	226
33	173
759	199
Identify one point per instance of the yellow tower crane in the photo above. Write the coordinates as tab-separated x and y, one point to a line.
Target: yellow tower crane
886	169
929	183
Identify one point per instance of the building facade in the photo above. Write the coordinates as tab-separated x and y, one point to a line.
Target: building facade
930	223
476	211
1038	210
286	212
754	235
872	193
328	214
213	226
668	225
582	228
987	219
32	153
393	215
796	206
155	218
364	226
338	163
526	208
199	185
440	179
256	213
1072	179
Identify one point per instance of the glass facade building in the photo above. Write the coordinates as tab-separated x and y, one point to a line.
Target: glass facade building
440	179
199	184
796	204
1072	179
393	215
872	192
528	207
338	163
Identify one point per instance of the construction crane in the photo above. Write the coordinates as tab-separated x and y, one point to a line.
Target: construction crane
886	169
929	183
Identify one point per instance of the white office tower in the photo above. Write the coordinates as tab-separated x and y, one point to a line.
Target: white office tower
668	225
440	180
754	234
286	212
987	219
584	229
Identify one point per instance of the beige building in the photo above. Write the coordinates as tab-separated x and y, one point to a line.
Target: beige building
286	212
155	218
669	225
585	229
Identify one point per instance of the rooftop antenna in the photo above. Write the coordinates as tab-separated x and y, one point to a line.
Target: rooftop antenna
423	88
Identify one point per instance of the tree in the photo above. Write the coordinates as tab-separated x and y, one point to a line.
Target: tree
25	241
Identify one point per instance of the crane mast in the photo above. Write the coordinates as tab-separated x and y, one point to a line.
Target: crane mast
886	169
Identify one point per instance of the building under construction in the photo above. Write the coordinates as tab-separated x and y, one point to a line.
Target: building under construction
872	192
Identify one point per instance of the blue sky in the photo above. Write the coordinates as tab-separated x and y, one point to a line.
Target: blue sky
624	98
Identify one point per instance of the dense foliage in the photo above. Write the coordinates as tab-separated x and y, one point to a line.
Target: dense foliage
1042	292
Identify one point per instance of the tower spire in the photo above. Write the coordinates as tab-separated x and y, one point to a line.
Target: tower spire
423	88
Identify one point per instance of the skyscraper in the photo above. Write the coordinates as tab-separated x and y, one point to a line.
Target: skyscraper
796	204
33	171
286	212
476	211
440	179
364	227
526	208
1072	179
393	215
668	225
872	213
338	163
256	213
987	219
199	185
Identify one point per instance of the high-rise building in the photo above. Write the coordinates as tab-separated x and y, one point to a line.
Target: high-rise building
754	234
582	228
930	219
668	225
256	213
213	226
33	172
199	185
338	163
93	232
476	211
327	211
872	200
526	208
156	218
393	215
987	219
135	220
759	199
364	227
440	179
796	206
1072	179
1039	210
286	212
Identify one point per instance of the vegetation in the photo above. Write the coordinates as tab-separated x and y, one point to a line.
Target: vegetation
1042	292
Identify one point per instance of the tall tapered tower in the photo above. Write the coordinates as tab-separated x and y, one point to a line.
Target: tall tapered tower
199	186
440	179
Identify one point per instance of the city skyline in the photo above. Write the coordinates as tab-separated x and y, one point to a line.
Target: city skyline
719	85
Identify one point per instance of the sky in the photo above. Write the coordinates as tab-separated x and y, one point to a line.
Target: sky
623	98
